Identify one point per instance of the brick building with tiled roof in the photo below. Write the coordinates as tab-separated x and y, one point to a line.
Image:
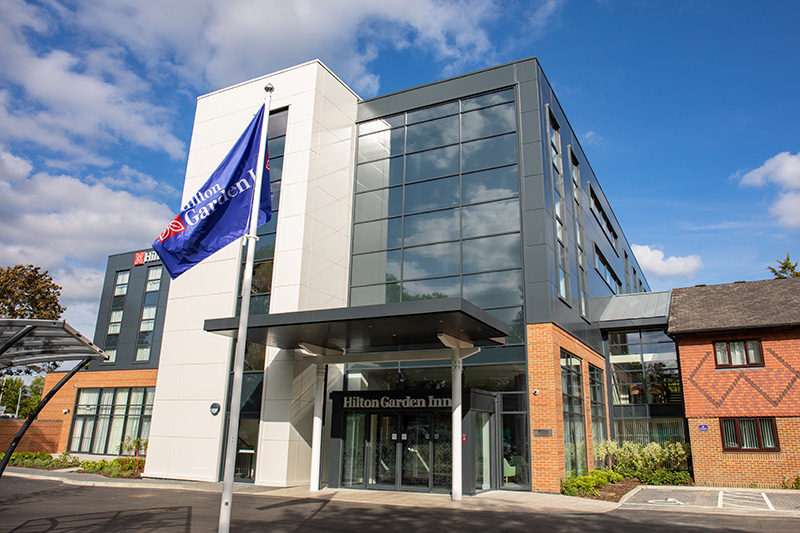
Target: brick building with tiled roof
739	351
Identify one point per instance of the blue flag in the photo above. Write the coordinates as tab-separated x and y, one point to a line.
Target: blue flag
220	211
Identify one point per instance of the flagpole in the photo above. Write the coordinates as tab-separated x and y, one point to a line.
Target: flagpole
241	338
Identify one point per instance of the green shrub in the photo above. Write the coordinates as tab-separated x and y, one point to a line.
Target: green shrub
663	476
791	483
587	485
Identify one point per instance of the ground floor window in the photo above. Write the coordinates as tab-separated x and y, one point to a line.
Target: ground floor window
106	417
572	400
646	430
597	392
749	434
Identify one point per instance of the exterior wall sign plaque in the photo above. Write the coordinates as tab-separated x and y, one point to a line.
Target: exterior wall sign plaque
703	427
542	432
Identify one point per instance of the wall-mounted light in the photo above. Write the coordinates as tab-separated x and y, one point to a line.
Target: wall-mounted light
535	392
214	408
65	411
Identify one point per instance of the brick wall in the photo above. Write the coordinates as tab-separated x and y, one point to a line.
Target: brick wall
716	468
769	391
65	398
544	374
42	435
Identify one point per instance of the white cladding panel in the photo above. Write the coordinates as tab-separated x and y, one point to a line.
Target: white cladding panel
310	272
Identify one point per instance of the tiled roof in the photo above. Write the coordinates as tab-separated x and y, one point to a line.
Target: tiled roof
740	305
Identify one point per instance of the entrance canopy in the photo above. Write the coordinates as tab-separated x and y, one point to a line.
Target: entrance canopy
408	326
29	341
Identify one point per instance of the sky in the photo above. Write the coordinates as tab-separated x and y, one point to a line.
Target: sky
687	111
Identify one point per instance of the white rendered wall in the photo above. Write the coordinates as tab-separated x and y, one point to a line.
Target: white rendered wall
311	268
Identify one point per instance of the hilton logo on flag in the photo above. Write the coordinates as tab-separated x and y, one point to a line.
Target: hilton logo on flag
173	228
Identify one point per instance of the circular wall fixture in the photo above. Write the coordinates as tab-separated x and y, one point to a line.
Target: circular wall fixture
214	408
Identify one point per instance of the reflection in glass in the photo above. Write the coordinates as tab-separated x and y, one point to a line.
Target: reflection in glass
426	228
265	248
431	261
353	450
432	112
379	235
487	185
432	164
514	317
376	268
378	174
496	378
430	195
492	152
262	277
375	294
494	289
381	144
491	218
513	430
492	253
432	134
485	100
431	289
487	122
379	204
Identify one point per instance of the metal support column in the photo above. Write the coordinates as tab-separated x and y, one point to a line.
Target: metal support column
316	435
457	366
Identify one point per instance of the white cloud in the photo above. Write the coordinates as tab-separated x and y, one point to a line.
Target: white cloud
69	228
653	262
221	43
592	137
787	209
13	168
782	170
73	101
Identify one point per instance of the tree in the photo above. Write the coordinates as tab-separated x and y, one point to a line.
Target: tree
786	269
28	399
26	292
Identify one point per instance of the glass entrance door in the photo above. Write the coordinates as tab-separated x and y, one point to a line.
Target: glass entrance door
416	451
397	451
382	451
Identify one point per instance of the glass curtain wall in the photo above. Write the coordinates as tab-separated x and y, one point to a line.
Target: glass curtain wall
646	387
597	392
104	418
437	211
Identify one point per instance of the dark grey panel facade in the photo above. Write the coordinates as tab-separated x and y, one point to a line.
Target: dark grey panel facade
136	298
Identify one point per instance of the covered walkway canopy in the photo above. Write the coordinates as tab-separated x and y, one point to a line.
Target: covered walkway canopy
29	341
447	328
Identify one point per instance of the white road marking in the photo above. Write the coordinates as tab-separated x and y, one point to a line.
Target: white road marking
769	503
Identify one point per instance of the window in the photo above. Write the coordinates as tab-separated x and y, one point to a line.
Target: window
153	279
559	209
598	399
605	270
112	355
572	402
105	417
121	284
602	219
115	321
738	353
578	222
749	434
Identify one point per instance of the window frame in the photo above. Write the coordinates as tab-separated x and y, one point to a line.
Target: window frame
745	342
757	419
